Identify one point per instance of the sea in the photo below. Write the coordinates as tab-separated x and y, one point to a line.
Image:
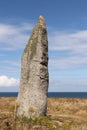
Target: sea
51	94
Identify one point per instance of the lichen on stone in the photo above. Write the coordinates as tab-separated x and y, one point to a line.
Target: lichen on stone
32	43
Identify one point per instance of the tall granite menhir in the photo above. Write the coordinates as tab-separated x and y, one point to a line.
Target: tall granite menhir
33	90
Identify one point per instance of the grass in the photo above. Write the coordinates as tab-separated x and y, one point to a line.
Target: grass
62	114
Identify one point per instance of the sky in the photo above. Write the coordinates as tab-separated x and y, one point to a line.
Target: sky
66	22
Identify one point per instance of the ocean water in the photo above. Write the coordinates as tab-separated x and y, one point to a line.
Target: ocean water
51	94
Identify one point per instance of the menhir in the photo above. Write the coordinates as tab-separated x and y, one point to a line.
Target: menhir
32	96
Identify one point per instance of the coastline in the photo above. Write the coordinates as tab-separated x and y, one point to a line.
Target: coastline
51	94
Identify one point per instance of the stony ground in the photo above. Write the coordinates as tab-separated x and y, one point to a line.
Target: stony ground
65	113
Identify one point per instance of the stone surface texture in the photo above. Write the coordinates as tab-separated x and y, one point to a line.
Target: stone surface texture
32	96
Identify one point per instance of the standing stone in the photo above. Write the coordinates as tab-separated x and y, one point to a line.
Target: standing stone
32	96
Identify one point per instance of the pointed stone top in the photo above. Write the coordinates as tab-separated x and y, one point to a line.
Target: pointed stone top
41	20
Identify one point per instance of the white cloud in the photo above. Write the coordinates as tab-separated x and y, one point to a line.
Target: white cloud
68	51
73	62
14	37
10	67
8	82
74	44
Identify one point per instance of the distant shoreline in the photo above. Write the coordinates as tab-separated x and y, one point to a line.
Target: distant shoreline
51	94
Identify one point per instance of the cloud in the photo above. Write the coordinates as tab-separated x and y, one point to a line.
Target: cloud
16	36
68	52
70	49
13	37
76	41
73	62
8	82
10	67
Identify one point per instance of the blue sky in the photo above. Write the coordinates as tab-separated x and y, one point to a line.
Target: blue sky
67	34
